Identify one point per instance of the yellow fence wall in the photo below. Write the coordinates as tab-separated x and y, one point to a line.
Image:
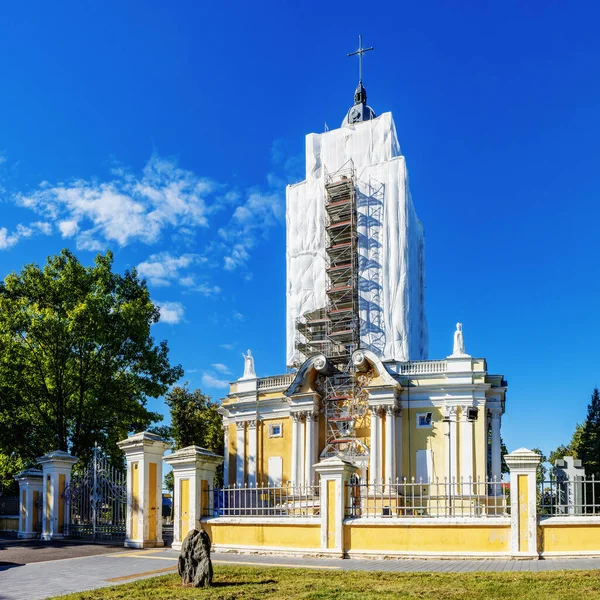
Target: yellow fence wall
569	536
428	539
421	539
292	535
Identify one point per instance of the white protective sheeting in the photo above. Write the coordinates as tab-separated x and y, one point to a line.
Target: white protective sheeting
391	241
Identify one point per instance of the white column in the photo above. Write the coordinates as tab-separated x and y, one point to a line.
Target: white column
495	414
380	417
466	447
295	439
56	475
390	444
301	447
374	466
240	452
252	457
315	425
309	460
451	471
30	490
398	421
226	454
144	455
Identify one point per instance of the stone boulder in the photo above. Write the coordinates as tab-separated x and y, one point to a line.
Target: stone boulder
195	566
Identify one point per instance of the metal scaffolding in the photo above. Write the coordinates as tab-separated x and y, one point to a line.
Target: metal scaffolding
334	329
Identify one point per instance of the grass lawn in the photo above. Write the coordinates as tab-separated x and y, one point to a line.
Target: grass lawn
240	583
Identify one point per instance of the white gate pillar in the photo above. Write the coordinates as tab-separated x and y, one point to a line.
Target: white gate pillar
56	475
334	474
30	496
194	471
144	454
523	464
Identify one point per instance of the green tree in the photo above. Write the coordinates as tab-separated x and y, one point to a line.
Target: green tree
571	449
503	452
589	444
77	361
195	421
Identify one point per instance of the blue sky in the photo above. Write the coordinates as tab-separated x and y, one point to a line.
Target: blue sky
167	132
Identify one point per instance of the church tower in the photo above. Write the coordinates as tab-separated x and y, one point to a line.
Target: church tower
361	386
355	247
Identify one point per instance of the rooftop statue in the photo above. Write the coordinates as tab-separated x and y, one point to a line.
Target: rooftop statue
459	341
249	372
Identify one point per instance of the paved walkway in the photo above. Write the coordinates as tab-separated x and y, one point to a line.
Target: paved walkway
51	578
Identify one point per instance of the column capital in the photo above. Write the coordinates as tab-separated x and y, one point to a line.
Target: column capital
240	425
495	412
252	423
463	412
390	411
450	412
377	409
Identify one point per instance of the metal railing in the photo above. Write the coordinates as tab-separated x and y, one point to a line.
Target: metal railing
579	496
450	499
264	501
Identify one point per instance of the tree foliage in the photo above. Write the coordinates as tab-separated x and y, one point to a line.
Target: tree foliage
585	442
571	449
195	421
77	361
589	442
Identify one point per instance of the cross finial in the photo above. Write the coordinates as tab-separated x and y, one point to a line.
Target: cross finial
360	53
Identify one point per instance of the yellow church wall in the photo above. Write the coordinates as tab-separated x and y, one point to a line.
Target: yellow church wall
430	539
569	538
275	446
286	535
426	438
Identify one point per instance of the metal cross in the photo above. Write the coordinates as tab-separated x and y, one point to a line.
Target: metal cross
360	53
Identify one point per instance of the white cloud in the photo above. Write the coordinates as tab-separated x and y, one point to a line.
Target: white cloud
128	207
171	312
248	224
164	268
162	203
221	368
68	228
227	346
207	290
238	316
8	240
214	382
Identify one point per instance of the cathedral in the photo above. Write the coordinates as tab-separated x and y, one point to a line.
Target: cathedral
360	384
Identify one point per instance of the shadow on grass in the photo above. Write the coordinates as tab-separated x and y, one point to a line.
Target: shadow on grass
235	583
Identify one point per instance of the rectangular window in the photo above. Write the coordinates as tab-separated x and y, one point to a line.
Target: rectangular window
275	470
424	420
275	430
424	466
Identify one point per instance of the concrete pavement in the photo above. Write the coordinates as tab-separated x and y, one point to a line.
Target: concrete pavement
37	580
